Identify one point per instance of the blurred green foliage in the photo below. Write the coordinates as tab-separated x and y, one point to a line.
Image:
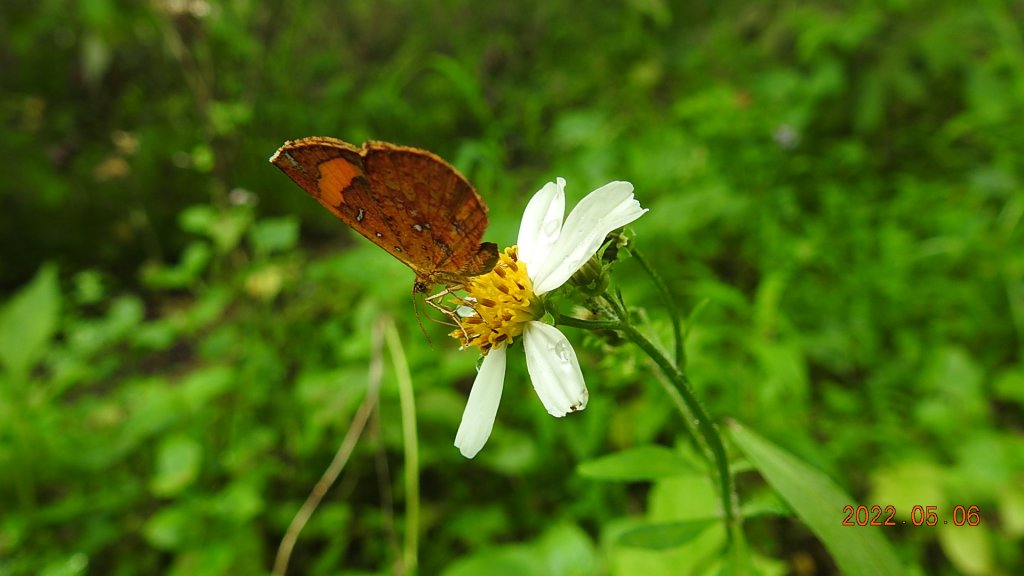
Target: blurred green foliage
179	358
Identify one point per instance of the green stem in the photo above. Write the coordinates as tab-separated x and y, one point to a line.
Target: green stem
704	423
681	394
407	400
588	324
670	302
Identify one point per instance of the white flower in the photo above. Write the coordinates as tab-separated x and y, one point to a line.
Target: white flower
507	302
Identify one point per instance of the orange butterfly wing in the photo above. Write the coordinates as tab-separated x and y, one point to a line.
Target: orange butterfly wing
409	202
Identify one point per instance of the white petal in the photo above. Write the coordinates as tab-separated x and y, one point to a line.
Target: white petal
554	369
478	418
609	207
542	223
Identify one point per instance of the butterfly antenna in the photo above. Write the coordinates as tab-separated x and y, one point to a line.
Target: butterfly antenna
419	318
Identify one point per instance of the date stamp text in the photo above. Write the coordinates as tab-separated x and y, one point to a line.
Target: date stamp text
919	516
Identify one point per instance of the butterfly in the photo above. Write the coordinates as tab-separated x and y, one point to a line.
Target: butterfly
410	202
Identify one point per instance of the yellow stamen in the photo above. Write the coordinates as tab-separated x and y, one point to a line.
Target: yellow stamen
502	302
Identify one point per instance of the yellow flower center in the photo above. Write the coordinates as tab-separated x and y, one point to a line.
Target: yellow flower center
498	305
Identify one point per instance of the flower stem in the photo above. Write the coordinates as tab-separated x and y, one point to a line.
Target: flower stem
681	394
684	392
673	312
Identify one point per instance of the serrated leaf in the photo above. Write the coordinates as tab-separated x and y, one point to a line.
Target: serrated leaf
819	503
638	464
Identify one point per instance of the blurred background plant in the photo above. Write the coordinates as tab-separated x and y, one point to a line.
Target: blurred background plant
179	357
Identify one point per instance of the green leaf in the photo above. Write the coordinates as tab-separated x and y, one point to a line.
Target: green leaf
204	384
29	321
198	219
194	259
225	228
568	551
638	464
203	158
240	502
230	227
908	483
178	462
764	503
71	564
1011	511
227	117
505	561
274	235
168	528
665	535
969	548
1009	386
819	503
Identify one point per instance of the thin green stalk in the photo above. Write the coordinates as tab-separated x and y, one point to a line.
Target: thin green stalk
670	302
681	393
704	423
407	400
588	324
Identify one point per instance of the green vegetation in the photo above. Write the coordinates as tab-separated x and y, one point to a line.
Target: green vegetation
835	194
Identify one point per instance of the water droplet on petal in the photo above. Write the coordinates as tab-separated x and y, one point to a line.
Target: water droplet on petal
574	263
563	350
551	227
